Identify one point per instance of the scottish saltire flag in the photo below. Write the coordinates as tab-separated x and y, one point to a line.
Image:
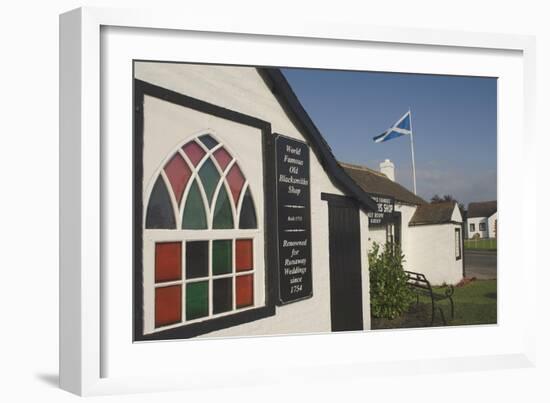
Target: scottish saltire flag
400	128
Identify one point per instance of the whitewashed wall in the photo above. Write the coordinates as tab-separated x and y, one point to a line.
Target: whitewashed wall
431	251
243	90
457	216
493	225
434	253
476	221
378	235
428	249
407	246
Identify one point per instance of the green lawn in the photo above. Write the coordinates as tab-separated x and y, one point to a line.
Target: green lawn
483	244
475	304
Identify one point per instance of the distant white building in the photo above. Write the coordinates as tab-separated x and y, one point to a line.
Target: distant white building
430	235
482	219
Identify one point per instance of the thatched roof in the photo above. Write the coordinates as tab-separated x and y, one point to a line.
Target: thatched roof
437	213
482	209
377	183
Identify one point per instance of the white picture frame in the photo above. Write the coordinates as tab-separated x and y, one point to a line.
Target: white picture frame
83	306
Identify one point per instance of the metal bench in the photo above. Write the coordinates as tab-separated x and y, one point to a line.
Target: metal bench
421	286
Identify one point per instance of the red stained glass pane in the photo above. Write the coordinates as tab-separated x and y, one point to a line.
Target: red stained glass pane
245	290
167	305
178	174
194	152
235	178
243	255
167	261
223	157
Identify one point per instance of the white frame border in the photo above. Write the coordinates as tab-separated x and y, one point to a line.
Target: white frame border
80	166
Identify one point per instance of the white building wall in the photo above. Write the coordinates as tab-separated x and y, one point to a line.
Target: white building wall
365	278
376	234
492	223
456	216
434	253
431	251
476	221
242	89
407	245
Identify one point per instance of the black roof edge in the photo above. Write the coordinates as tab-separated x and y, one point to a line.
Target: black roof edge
280	87
419	224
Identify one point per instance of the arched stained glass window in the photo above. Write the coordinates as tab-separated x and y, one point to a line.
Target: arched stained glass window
208	266
205	187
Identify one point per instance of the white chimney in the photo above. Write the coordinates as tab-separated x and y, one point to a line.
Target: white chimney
388	169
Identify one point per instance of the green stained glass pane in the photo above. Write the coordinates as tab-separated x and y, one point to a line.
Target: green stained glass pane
223	216
194	216
196	298
221	257
210	178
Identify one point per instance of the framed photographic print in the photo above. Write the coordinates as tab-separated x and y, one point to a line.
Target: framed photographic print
220	185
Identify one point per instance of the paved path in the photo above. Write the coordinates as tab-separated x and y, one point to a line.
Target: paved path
480	264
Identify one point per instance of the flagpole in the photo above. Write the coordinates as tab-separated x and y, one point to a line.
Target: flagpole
412	152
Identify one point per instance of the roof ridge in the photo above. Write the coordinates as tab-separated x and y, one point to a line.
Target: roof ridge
483	202
363	168
453	202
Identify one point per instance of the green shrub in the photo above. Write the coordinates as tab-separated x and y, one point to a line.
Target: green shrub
389	294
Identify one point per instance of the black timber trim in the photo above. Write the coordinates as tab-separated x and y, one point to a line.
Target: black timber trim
280	87
142	88
397	220
339	200
463	252
460	246
418	224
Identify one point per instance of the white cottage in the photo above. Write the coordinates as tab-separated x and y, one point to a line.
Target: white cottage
482	219
245	224
430	235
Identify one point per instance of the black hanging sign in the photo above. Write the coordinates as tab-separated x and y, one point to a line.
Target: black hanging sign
386	206
294	220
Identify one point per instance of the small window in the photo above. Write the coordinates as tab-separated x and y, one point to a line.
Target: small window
458	243
472	227
482	226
